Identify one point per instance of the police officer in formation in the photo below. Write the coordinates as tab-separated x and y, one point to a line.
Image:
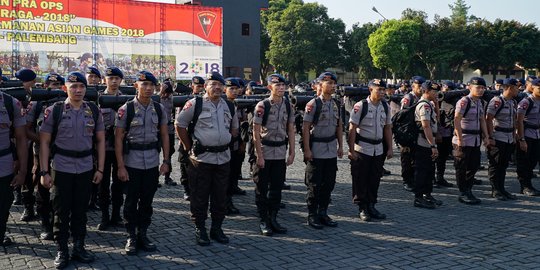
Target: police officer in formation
445	131
273	130
93	76
110	188
323	144
166	99
207	141
501	126
141	132
67	134
370	142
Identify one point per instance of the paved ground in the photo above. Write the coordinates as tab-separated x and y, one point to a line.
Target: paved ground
493	235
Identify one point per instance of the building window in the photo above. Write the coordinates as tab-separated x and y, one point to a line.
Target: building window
245	29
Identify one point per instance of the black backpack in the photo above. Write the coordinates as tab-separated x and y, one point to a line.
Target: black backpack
198	109
267	107
404	126
318	107
365	109
130	113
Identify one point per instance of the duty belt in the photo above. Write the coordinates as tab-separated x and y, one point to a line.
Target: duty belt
530	126
506	130
72	153
364	139
323	139
470	131
274	143
143	146
215	149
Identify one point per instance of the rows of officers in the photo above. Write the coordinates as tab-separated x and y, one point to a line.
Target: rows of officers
60	151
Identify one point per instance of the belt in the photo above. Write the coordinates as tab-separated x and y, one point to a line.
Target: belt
71	153
323	139
5	152
364	139
143	146
506	130
530	126
470	131
215	149
274	143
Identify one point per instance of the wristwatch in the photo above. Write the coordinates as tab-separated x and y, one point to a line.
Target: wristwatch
166	161
433	146
43	173
522	139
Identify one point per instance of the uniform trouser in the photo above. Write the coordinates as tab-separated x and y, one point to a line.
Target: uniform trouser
110	193
172	140
27	189
526	161
250	149
208	184
69	195
424	171
466	167
444	149
366	174
43	197
140	190
268	185
320	181
6	199
407	164
183	158
236	168
499	157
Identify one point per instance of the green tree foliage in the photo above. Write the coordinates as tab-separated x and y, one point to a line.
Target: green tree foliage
460	13
356	54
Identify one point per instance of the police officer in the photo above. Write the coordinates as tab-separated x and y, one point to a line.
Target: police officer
370	126
273	130
500	123
426	151
469	126
141	131
407	153
210	133
93	76
166	97
528	134
108	193
69	129
323	143
11	116
498	84
528	86
35	113
444	130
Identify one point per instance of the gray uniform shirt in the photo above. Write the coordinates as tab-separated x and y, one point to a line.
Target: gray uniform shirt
469	121
371	127
425	111
325	127
275	129
169	109
533	118
31	112
75	133
109	116
144	129
6	161
504	119
213	128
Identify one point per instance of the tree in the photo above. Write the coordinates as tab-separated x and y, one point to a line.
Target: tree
357	56
460	12
393	45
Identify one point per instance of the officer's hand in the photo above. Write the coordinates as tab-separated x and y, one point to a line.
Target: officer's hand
389	154
260	162
98	176
123	174
353	155
16	166
18	180
164	168
459	142
290	159
340	152
434	153
46	181
523	146
308	156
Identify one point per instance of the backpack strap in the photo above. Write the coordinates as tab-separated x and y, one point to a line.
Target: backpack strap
58	109
531	104
38	109
318	105
198	110
468	106
500	108
385	106
267	106
230	104
130	113
95	115
364	110
159	112
8	102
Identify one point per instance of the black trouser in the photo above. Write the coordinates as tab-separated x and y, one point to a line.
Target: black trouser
27	189
6	199
499	157
407	164
268	185
466	167
366	174
444	148
320	181
208	183
43	198
526	161
69	196
236	169
110	193
183	158
141	187
424	171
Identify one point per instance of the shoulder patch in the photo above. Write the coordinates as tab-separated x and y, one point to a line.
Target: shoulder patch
187	105
309	107
46	113
356	107
260	111
523	105
121	112
463	103
405	101
427	107
496	104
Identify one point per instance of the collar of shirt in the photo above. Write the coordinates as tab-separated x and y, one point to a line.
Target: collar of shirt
106	92
69	107
139	105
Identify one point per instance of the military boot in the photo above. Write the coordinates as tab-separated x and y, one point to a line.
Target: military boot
131	244
28	213
276	227
313	219
105	220
201	236
143	242
46	228
364	215
325	219
61	260
80	253
216	233
374	213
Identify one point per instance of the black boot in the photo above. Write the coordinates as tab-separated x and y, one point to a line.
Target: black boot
527	189
231	209
131	244
216	233
442	182
374	213
28	213
46	229
325	219
18	196
276	227
105	220
201	236
144	243
169	181
61	260
80	253
364	215
313	221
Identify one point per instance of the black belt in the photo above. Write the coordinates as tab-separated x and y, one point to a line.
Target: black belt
215	149
506	130
5	152
274	143
143	146
530	126
364	139
323	139
470	131
71	153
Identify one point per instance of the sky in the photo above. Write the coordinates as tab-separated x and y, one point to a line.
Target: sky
359	11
